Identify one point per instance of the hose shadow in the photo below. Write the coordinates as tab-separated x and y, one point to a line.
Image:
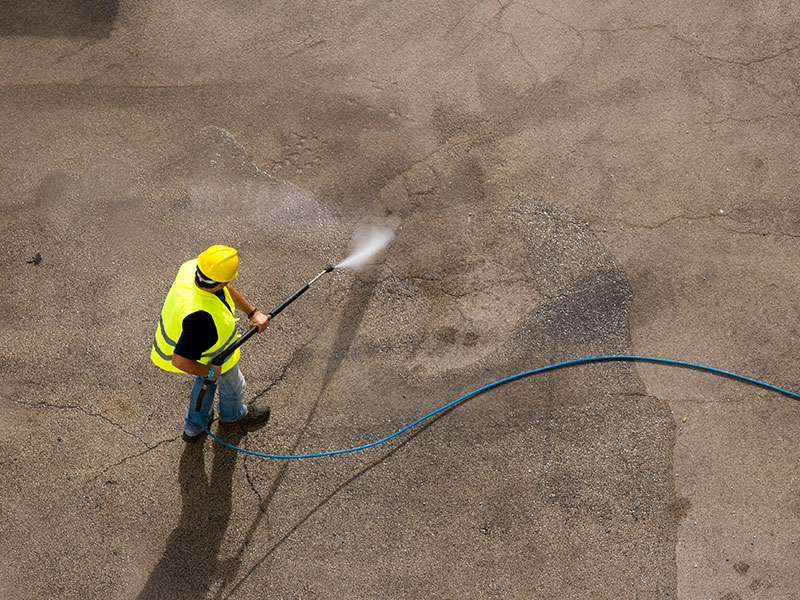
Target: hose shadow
190	563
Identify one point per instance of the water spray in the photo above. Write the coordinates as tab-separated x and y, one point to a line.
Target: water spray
371	244
368	245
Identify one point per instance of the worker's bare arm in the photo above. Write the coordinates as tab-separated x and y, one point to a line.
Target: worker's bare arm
187	365
258	319
239	300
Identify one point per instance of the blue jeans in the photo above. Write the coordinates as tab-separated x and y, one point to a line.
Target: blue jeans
231	406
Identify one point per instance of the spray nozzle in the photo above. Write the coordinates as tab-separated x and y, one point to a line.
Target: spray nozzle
329	268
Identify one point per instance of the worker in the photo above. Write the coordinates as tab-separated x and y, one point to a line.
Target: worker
197	323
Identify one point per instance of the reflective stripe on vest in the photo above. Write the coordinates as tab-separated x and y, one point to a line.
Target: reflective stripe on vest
173	344
183	299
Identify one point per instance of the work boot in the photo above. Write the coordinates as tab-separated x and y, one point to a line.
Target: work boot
257	412
191	439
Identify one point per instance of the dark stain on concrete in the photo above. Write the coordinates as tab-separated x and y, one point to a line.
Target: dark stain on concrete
59	18
587	296
679	507
447	335
470	338
597	303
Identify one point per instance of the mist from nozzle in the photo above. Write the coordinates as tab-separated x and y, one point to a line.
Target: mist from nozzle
367	245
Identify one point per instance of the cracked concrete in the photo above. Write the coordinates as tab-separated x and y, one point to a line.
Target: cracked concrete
754	61
84	411
555	174
125	459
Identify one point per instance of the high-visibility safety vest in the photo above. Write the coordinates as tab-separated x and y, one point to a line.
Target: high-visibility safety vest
184	298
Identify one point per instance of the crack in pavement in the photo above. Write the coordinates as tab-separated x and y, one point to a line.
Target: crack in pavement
84	411
513	43
280	375
750	119
305	47
762	233
265	501
743	63
132	456
728	118
88	85
464	16
651	27
148	447
691	219
253	484
298	354
629	225
664	27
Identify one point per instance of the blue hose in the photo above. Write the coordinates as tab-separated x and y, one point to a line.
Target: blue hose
500	382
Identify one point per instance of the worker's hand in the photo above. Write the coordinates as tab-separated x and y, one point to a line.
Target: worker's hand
217	372
259	320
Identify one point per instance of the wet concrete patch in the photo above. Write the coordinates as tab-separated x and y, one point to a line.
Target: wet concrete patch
569	460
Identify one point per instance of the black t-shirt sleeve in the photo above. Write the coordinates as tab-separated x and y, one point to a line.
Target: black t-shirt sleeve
198	335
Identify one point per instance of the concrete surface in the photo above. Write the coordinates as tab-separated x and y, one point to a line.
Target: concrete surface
565	180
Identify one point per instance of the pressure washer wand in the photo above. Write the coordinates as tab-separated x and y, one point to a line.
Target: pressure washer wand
297	294
221	358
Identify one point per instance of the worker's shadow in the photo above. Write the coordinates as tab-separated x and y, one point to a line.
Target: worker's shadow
190	564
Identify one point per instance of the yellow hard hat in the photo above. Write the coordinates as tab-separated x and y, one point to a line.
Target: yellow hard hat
220	263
